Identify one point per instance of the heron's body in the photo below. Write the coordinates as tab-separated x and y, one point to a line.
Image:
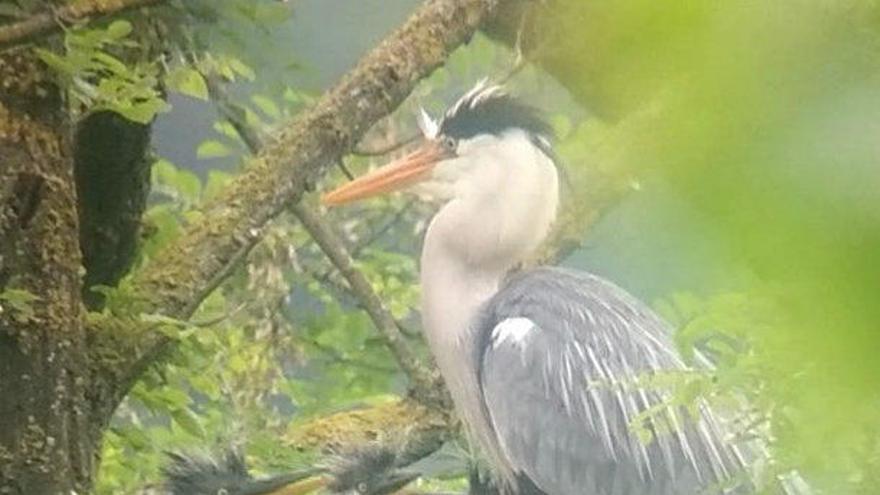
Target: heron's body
566	342
579	349
546	368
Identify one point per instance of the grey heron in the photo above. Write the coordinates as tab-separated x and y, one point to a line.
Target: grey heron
546	366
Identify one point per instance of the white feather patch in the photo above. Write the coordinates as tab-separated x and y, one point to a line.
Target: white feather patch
513	330
428	125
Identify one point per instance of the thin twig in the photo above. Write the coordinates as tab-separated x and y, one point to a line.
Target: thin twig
344	168
384	150
233	113
210	322
518	65
520	57
333	247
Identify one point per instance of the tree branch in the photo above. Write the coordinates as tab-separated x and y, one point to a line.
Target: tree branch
425	387
419	430
21	32
178	279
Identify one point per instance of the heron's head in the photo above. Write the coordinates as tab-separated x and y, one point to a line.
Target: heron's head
480	135
202	474
368	471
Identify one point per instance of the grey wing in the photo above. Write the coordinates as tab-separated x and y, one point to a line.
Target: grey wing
562	370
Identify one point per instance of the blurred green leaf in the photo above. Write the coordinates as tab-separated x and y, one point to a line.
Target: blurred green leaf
189	422
119	29
188	81
213	149
19	302
242	69
266	104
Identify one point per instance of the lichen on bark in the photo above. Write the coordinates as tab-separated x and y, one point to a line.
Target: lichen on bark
45	425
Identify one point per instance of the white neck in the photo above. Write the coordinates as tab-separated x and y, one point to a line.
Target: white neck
501	209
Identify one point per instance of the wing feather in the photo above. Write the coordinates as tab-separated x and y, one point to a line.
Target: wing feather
562	376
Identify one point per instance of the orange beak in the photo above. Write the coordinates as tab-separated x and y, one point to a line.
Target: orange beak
395	176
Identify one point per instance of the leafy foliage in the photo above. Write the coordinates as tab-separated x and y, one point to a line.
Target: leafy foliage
757	123
243	370
98	80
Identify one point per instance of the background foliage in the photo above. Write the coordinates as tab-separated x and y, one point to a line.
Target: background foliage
762	117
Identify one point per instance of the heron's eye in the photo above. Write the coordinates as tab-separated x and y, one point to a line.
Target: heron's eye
362	487
448	143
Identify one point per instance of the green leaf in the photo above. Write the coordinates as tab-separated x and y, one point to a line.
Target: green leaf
18	296
189	422
143	112
291	95
163	171
217	181
119	29
111	63
136	438
226	129
271	13
267	106
20	301
189	185
242	69
188	81
55	61
177	182
175	398
165	225
212	149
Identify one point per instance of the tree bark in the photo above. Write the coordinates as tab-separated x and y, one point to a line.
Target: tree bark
47	437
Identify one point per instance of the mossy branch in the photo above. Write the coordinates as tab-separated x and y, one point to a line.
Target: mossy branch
396	422
404	426
74	12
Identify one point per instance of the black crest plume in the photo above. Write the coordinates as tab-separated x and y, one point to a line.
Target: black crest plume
488	109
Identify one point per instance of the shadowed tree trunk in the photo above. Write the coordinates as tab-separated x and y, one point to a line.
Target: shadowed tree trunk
112	180
48	437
